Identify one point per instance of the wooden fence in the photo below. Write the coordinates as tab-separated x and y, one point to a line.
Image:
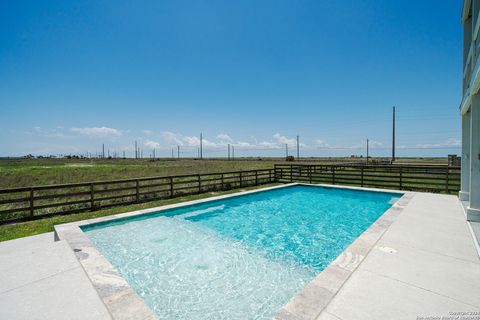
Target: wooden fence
440	179
30	203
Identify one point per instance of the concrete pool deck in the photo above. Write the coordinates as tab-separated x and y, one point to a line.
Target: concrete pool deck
42	279
425	264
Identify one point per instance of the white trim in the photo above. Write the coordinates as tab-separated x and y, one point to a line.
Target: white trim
466	102
469	60
467	4
464	205
475	240
472	89
476	27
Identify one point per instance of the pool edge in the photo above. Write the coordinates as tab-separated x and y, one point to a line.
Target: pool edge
123	302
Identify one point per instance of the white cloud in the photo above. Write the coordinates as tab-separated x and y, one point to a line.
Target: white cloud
151	144
224	138
48	133
452	142
269	145
98	131
191	141
449	143
321	144
147	132
244	144
374	143
172	138
284	140
188	141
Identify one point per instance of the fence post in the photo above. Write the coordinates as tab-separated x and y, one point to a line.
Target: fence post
137	187
333	175
171	187
446	181
223	183
31	202
401	178
199	184
277	173
241	179
291	173
310	174
361	176
256	177
92	198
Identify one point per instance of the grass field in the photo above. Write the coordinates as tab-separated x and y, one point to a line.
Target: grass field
23	173
33	172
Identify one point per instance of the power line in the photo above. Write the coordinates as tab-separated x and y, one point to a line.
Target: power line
201	146
367	150
298	147
393	135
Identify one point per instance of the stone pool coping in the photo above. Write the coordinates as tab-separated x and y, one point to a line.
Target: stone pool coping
123	302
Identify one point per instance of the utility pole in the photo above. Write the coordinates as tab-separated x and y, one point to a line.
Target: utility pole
173	157
393	135
136	150
367	151
298	147
123	154
153	154
178	152
229	151
233	152
286	150
103	150
201	146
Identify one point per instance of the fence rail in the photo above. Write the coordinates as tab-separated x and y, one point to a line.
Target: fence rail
440	179
30	203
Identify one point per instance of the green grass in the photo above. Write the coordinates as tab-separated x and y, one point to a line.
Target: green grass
18	230
23	173
33	172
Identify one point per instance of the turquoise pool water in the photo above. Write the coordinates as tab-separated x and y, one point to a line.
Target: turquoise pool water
238	258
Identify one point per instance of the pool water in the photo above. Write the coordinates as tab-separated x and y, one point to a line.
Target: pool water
238	258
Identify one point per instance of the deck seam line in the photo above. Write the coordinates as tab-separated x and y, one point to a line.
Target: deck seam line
433	252
38	280
421	288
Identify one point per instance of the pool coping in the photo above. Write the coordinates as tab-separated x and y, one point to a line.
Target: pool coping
123	302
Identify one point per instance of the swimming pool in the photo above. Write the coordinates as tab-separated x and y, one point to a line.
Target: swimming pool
241	257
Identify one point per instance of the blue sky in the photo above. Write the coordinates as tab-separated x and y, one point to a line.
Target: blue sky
76	74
